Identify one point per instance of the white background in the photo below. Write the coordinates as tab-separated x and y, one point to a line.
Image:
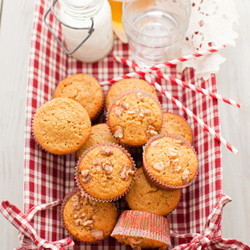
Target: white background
233	82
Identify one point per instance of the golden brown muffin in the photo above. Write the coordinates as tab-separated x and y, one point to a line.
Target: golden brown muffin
141	229
144	196
134	118
84	89
100	133
87	220
106	172
176	125
170	163
127	84
61	126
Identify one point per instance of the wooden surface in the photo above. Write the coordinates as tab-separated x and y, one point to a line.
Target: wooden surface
233	82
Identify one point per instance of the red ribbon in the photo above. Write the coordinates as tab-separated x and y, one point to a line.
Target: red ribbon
211	236
27	234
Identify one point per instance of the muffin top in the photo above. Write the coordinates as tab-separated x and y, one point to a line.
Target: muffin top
127	84
106	172
100	133
144	196
134	118
170	161
84	89
61	126
176	125
87	220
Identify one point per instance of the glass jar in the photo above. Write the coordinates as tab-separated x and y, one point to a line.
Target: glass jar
90	22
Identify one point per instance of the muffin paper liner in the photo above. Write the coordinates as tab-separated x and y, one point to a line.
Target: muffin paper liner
121	96
65	200
182	138
78	183
134	223
152	178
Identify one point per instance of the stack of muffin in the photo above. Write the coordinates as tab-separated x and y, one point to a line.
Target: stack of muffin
106	171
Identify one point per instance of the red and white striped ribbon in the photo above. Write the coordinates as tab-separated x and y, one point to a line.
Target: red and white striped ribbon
28	235
170	63
211	235
179	82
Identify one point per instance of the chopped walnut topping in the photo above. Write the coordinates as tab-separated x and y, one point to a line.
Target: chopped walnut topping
172	152
84	200
118	111
159	166
87	223
174	162
154	144
107	166
149	120
76	205
126	171
185	176
97	234
124	105
145	111
79	215
118	132
139	96
79	222
75	198
97	164
86	177
117	103
107	151
151	133
133	110
92	202
177	169
178	142
151	127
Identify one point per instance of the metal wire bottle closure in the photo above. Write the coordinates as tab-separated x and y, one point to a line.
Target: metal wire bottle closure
90	29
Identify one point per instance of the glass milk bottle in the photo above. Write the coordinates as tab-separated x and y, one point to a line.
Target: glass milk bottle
88	22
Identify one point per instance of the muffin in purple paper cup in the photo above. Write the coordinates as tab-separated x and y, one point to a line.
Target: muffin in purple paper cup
105	172
170	162
87	220
135	117
140	229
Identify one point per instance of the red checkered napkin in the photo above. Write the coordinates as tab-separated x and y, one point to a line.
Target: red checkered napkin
48	178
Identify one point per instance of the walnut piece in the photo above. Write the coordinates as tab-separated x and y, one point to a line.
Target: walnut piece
76	205
86	177
98	164
97	234
159	166
78	222
145	111
118	132
88	223
133	110
118	111
107	151
185	177
124	105
151	133
154	144
126	171
107	167
139	96
172	152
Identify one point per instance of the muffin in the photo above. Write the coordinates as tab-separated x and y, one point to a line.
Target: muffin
127	84
84	89
61	126
169	162
134	117
176	125
87	220
100	133
105	172
144	196
141	229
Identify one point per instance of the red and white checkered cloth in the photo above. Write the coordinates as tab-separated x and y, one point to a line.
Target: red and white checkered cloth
48	178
